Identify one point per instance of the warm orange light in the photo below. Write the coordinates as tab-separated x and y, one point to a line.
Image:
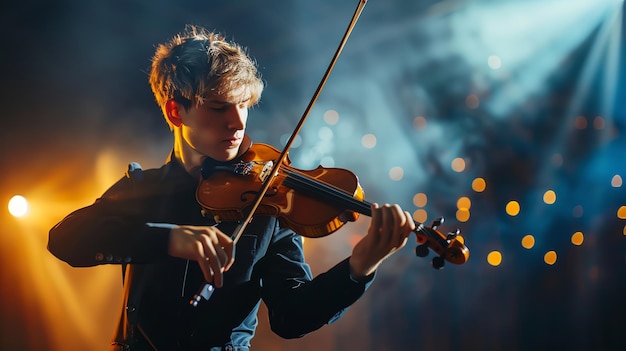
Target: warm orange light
18	206
528	241
549	197
550	257
462	215
578	238
512	208
494	258
420	200
479	185
420	215
464	203
621	212
65	308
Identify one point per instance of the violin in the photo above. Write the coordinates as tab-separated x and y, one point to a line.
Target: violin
313	203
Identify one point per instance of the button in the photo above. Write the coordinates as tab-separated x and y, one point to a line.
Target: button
109	257
99	256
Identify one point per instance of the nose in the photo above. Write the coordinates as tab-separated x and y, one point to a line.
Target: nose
237	117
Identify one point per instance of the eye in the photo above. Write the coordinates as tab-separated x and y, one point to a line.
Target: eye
219	107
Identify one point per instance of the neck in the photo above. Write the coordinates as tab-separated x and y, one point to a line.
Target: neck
190	158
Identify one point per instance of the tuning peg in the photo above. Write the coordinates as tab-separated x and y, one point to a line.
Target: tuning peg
452	235
421	250
438	262
437	222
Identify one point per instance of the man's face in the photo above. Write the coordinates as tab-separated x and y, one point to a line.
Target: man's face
216	128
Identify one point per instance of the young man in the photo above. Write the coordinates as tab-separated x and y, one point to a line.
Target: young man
152	222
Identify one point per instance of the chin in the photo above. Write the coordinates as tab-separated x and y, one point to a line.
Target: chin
225	156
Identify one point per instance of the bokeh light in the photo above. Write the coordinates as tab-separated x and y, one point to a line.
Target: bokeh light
464	203
18	206
494	62
396	173
458	164
494	258
420	200
513	208
420	215
550	257
331	117
549	197
578	238
621	212
368	141
479	185
528	241
462	215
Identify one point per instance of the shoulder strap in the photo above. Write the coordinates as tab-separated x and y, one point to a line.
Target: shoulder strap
135	174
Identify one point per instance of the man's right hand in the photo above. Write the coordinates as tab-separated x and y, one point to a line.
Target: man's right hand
212	249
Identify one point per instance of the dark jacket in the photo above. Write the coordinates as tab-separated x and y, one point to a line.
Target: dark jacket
130	225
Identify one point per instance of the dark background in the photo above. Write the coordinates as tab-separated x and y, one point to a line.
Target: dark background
76	108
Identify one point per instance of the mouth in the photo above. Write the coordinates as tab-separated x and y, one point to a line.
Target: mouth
234	141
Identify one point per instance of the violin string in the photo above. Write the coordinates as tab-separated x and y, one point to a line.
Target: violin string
313	187
317	188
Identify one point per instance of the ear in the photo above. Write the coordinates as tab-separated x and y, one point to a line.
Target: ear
172	113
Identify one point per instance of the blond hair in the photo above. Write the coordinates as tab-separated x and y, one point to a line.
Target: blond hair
198	63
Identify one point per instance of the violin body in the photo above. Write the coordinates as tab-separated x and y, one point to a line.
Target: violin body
229	189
